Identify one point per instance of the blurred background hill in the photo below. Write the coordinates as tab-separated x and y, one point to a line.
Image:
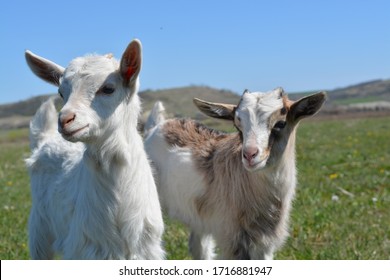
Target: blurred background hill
369	98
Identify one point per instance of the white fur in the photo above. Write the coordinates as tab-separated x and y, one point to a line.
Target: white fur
93	194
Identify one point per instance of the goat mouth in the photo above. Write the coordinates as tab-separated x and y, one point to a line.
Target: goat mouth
73	132
255	165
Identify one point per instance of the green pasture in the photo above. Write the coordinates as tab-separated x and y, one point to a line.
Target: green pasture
341	209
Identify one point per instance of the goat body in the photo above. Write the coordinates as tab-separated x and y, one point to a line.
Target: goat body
93	191
205	179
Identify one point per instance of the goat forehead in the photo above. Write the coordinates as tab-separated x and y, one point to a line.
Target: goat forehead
259	103
89	71
90	66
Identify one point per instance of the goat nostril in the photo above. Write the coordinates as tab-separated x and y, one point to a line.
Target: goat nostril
250	153
67	119
71	119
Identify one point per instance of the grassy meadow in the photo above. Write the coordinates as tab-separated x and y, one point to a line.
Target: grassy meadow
341	210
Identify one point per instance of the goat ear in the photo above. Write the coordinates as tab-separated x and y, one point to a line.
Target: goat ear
216	110
44	69
306	106
131	62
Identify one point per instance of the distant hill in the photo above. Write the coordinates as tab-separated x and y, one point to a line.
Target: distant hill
370	96
177	101
378	90
26	107
372	91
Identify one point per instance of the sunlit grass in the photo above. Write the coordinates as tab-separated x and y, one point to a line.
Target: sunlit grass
341	210
15	200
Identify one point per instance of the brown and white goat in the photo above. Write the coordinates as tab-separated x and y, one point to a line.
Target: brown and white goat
233	188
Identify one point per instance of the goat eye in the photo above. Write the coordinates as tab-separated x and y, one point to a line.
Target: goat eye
279	125
107	89
237	122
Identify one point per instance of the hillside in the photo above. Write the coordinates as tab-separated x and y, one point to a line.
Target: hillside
371	91
177	101
378	90
370	97
26	107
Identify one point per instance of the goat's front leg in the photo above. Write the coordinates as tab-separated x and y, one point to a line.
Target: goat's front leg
40	240
201	246
262	254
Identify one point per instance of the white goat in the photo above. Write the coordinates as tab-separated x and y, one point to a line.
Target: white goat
233	188
94	199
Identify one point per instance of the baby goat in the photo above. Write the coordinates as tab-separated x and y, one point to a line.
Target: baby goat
233	188
93	192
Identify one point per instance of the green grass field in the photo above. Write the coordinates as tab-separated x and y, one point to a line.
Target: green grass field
341	210
357	100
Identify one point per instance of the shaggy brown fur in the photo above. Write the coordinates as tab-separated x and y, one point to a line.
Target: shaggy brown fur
250	209
255	211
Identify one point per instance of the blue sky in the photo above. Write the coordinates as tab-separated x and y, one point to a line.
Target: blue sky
259	45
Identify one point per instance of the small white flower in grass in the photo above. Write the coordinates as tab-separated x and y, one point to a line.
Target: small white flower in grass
335	198
374	199
8	208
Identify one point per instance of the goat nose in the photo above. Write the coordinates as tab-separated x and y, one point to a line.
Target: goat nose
250	153
66	119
